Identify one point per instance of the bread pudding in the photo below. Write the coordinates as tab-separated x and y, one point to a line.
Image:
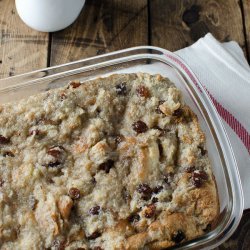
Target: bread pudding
112	163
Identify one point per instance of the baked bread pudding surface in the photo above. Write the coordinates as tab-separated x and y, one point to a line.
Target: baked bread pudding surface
114	163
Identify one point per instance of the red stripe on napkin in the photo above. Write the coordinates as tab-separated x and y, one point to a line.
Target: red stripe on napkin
237	127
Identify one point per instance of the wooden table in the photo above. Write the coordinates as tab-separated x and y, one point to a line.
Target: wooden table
108	25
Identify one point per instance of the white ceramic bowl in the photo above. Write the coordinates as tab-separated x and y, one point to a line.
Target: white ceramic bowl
49	15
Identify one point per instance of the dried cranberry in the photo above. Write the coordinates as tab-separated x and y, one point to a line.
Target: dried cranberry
8	154
178	112
95	210
143	91
134	218
121	89
157	189
168	178
75	85
155	199
106	166
74	193
94	235
4	140
150	211
178	236
157	110
203	151
198	177
55	151
145	190
139	127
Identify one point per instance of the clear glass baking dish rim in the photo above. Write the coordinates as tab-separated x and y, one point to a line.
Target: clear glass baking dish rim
211	239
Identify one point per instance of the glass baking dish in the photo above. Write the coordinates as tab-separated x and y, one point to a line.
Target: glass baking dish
154	60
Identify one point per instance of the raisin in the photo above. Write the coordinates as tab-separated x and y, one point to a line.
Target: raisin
198	177
203	151
178	112
145	190
178	237
53	164
121	89
203	175
74	193
157	109
75	85
150	211
157	189
80	248
168	178
4	140
134	218
197	182
95	210
143	91
94	235
139	127
106	166
8	154
55	151
155	199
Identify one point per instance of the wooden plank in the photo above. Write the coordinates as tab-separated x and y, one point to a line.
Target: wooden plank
176	23
103	26
246	12
21	48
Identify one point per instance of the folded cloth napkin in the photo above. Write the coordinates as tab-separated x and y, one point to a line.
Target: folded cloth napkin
223	70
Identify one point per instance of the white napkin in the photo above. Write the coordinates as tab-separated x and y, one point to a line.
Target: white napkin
225	73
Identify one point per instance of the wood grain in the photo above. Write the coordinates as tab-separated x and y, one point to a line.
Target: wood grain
246	12
240	240
176	24
21	48
103	26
